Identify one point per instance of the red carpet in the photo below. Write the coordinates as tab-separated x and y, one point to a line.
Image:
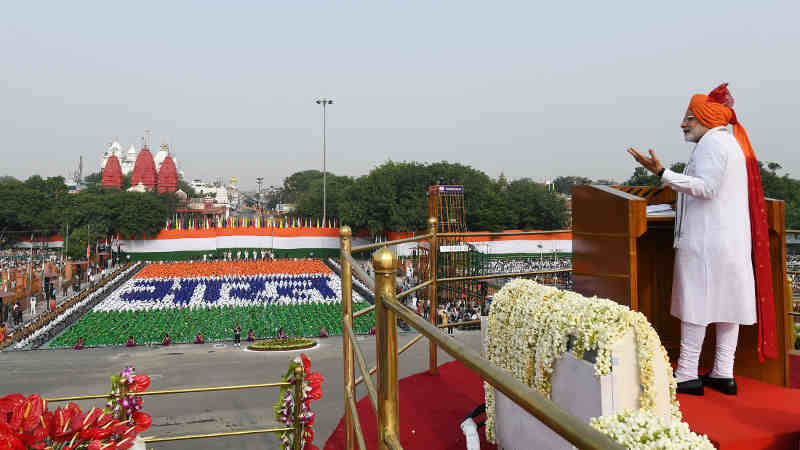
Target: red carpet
431	411
762	416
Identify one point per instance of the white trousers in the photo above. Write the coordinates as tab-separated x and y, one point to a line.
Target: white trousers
692	337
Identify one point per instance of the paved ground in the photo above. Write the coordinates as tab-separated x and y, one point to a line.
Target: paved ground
70	372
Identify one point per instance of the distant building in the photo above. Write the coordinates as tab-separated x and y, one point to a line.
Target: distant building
215	194
154	174
284	208
127	159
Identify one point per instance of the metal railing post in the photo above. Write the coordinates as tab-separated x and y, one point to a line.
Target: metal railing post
297	442
347	347
384	262
433	255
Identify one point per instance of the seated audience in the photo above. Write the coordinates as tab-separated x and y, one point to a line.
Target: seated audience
79	345
167	340
281	334
251	336
130	342
199	339
323	333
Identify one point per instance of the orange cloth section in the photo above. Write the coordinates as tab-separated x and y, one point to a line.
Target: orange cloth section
710	114
246	231
223	268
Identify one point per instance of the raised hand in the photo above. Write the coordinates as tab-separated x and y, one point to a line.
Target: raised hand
652	163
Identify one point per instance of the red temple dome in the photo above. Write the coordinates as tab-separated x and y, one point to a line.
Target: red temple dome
144	171
112	173
167	176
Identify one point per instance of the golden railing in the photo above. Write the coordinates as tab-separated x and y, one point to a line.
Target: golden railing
384	397
297	387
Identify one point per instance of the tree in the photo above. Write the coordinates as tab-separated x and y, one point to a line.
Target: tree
393	196
531	206
185	187
782	188
298	183
564	184
309	202
643	177
94	178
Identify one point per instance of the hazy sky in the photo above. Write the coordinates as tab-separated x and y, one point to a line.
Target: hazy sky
532	89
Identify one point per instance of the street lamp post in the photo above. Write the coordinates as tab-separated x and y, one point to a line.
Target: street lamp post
324	102
259	181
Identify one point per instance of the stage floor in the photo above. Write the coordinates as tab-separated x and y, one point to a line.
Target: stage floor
762	416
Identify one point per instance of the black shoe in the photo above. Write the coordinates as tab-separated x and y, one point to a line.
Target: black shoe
691	387
725	385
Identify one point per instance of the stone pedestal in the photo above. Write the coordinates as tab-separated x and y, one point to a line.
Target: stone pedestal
576	389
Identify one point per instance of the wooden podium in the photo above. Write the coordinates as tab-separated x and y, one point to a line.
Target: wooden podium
621	254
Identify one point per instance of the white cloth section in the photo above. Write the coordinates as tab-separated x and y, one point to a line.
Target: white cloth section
692	337
168	245
220	242
254	241
527	246
305	242
54	244
727	338
713	274
470	430
662	210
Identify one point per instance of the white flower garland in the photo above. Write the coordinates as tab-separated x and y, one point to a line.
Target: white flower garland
530	326
643	430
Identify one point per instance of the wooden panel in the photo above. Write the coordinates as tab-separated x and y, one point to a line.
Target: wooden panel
600	254
612	240
616	289
774	371
655	261
653	195
605	225
603	209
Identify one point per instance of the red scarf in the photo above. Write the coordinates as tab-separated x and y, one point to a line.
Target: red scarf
713	110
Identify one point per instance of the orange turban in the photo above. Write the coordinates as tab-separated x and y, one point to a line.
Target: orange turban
716	110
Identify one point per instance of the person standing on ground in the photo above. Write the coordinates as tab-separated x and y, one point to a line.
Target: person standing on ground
237	335
722	271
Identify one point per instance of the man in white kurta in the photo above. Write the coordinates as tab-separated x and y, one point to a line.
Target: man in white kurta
713	273
713	278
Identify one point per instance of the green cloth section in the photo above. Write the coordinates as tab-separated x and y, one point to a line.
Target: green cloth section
102	328
198	254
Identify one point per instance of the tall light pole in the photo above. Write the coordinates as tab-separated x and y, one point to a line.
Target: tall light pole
324	102
259	180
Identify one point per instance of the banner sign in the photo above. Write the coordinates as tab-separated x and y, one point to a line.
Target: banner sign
451	189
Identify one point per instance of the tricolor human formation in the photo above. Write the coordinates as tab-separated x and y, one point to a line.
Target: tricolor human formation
301	297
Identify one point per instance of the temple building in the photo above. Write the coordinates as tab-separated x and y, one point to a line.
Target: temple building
167	175
144	171
112	173
159	173
127	159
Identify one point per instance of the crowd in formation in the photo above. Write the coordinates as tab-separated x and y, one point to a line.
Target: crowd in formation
14	258
527	264
203	301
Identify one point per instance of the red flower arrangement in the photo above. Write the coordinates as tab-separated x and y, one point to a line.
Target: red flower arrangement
26	423
284	407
